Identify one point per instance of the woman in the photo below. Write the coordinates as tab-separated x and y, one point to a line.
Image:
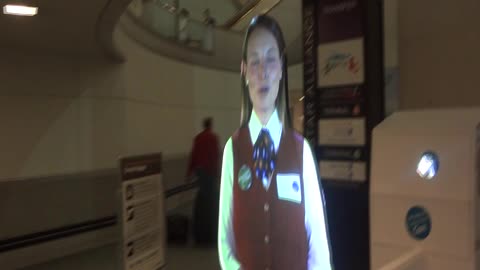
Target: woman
271	209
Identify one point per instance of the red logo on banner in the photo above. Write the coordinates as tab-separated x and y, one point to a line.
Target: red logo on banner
353	65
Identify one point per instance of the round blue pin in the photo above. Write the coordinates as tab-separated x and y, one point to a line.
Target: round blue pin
295	186
418	222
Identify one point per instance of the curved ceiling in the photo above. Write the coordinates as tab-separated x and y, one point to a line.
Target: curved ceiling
83	27
86	27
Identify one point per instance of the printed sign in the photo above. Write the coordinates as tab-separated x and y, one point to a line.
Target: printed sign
343	170
143	213
342	132
339	110
340	63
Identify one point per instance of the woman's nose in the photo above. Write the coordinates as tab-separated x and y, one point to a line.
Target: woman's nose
263	72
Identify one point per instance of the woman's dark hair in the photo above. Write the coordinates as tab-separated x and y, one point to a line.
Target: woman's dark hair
281	103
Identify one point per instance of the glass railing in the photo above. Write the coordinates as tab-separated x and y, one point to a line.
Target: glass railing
166	21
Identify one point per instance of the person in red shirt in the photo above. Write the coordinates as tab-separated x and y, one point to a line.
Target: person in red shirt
205	155
204	165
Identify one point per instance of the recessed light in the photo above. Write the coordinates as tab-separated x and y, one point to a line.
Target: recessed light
428	165
20	10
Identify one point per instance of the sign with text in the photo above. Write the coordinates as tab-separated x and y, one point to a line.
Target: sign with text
340	63
341	110
343	170
143	213
342	132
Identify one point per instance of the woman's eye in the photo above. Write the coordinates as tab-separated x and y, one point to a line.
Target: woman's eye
255	62
271	60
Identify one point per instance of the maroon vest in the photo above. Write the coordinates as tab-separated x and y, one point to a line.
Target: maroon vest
269	232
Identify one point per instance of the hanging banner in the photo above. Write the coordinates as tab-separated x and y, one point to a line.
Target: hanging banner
142	207
342	135
343	87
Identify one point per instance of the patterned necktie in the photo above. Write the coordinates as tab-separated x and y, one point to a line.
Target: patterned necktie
264	157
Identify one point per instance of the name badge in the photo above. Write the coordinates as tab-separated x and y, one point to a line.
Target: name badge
288	187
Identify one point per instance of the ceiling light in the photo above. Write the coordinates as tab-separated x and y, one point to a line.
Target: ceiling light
20	10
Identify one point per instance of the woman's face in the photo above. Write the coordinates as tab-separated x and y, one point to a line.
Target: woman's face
263	70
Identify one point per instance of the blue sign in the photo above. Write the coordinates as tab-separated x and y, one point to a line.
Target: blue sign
419	223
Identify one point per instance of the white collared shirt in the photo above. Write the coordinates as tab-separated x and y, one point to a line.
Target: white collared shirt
318	252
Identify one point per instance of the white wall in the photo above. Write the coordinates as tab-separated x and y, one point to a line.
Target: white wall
71	114
435	46
390	42
168	99
439	43
390	31
295	77
67	114
51	121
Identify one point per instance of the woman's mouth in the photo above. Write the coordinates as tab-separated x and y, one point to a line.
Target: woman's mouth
263	90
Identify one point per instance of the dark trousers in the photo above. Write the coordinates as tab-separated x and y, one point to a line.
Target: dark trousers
205	211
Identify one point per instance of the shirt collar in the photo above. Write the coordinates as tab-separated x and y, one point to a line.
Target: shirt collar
274	127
